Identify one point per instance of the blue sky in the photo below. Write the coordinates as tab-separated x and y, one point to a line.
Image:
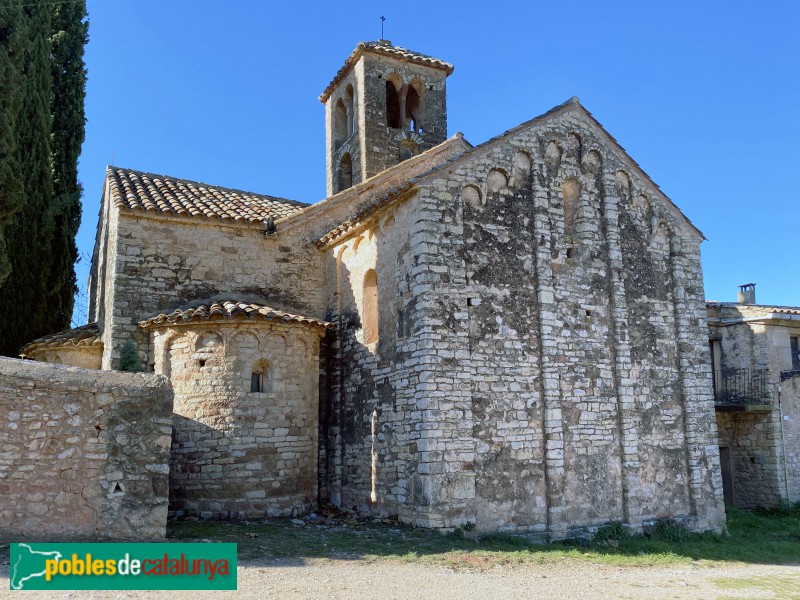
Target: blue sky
704	95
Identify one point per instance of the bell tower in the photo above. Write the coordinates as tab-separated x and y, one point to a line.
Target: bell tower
385	104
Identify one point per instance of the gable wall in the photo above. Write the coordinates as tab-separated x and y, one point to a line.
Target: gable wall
580	382
161	264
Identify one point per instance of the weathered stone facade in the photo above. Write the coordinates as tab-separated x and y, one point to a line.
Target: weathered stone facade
83	454
542	361
757	388
518	331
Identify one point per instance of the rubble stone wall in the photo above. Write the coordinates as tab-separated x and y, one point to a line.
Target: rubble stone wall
85	357
754	448
790	436
373	146
83	454
764	446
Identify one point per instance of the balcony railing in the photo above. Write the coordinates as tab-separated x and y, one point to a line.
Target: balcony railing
741	387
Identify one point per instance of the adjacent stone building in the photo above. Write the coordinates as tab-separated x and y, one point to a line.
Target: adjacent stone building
511	335
755	351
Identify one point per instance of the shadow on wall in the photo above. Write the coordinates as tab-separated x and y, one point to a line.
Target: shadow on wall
359	448
218	475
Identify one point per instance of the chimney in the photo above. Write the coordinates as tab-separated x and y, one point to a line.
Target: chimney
747	294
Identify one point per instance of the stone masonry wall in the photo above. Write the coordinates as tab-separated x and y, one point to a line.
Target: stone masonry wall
753	445
560	304
790	437
83	454
371	413
85	357
382	146
374	146
237	453
163	263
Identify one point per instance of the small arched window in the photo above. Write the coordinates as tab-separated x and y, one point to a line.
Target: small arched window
393	116
345	173
258	377
370	307
339	123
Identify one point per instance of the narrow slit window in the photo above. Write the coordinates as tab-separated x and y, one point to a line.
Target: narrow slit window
345	173
370	305
257	382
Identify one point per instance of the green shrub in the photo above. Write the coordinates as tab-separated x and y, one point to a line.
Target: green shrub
669	530
129	359
613	531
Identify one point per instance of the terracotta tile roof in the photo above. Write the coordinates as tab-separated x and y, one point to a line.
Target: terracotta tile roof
366	211
85	335
136	190
204	310
385	49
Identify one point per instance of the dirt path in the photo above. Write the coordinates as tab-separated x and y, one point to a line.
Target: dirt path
567	579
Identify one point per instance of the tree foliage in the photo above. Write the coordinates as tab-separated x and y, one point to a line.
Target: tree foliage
41	56
70	34
12	47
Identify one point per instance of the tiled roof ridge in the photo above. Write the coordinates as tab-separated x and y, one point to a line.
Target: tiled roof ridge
383	48
379	181
84	335
228	308
137	190
365	212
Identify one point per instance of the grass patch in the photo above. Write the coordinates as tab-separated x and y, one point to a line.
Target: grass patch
777	586
767	537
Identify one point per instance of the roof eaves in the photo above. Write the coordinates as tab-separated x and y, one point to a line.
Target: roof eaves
367	211
384	50
131	202
235	310
84	336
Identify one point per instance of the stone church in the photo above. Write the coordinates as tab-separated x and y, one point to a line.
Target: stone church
510	335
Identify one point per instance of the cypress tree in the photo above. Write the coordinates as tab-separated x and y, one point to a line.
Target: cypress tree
12	41
70	34
40	140
23	296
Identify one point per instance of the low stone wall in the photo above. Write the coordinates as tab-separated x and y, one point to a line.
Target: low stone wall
83	454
